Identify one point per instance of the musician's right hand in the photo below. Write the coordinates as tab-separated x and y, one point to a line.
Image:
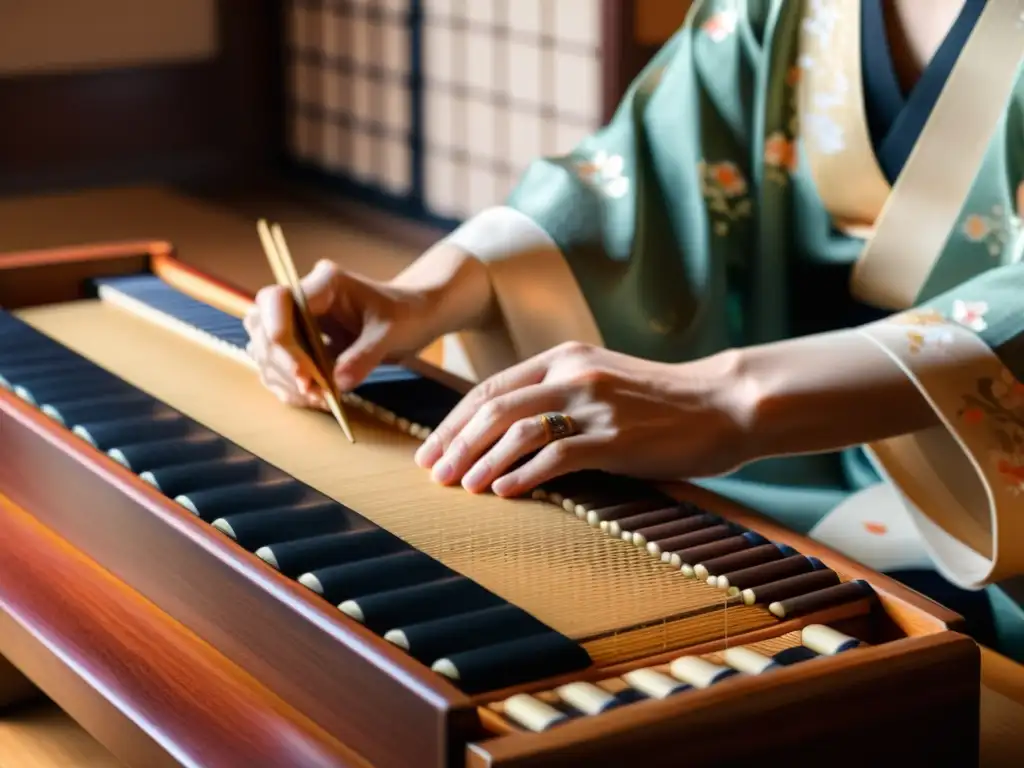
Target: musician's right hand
368	321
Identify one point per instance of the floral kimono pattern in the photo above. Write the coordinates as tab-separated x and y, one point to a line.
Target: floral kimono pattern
707	213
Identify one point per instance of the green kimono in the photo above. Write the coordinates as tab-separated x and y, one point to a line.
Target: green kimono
750	188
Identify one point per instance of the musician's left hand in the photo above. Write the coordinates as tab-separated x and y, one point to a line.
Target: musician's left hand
633	417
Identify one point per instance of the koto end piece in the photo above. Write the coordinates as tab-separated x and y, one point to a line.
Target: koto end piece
654	684
698	672
827	641
266	554
225	527
311	582
748	661
526	710
586	697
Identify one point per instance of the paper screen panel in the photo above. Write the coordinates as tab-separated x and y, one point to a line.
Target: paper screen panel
505	82
435	108
348	90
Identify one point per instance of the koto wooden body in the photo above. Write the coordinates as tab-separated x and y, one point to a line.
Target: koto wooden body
171	644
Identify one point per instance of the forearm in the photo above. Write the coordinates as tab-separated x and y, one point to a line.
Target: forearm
824	392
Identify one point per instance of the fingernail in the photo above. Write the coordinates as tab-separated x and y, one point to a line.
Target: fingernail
443	472
429	452
503	486
475	477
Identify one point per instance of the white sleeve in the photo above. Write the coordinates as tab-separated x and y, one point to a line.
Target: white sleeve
537	294
963	479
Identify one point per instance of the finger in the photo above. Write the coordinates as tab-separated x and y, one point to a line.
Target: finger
269	357
276	310
489	423
361	357
285	390
561	457
322	286
288	368
524	374
257	347
522	438
282	388
251	320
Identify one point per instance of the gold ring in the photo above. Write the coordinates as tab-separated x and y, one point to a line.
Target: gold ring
557	426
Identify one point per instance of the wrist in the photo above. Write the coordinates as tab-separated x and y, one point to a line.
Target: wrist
820	393
448	290
737	394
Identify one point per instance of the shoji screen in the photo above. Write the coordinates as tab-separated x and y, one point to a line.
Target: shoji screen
433	108
505	81
350	96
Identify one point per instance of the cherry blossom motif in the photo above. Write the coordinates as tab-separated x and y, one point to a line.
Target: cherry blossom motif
719	25
821	20
820	124
876	529
996	230
929	329
604	173
937	338
971	314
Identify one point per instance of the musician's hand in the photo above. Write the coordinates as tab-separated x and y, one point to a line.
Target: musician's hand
634	417
366	322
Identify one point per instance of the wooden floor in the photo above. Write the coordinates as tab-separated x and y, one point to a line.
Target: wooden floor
219	236
221	239
42	736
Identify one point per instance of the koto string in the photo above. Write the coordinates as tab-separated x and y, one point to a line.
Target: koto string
725	619
549	564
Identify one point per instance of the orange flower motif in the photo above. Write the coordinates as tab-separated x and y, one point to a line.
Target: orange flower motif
878	529
976	227
780	152
793	76
1010	466
725	191
972	416
1012	471
727	177
920	317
